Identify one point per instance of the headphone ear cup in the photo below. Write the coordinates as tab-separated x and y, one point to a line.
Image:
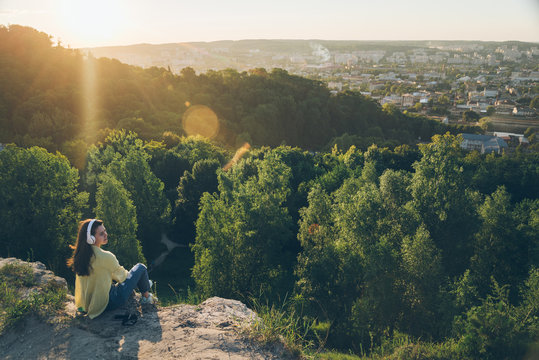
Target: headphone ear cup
91	240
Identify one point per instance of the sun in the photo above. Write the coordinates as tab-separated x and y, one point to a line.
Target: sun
94	22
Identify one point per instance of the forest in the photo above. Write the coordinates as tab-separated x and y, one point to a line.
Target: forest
45	96
328	207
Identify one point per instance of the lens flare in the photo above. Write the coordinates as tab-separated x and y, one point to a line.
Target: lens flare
89	99
239	153
200	120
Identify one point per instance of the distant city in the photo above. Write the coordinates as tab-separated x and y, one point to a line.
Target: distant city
437	78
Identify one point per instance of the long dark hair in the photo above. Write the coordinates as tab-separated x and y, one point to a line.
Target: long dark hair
79	262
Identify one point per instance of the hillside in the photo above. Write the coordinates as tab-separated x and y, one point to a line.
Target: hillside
281	53
60	99
211	330
360	248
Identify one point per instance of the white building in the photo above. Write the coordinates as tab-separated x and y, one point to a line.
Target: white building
483	143
407	100
490	93
391	99
523	111
335	85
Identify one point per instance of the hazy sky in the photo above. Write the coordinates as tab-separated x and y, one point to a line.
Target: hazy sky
122	22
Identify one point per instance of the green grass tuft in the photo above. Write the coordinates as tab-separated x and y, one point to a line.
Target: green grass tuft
279	325
17	275
14	308
179	296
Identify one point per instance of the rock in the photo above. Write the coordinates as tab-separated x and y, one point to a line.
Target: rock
210	330
42	276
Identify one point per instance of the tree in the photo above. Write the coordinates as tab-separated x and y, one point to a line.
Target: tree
243	233
360	296
195	148
524	100
76	151
526	214
394	188
320	283
146	191
422	276
491	110
442	201
534	104
493	330
168	166
202	178
304	170
486	124
40	205
501	250
371	243
123	156
470	116
528	310
118	213
117	144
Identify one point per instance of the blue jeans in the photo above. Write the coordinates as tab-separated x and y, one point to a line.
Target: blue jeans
119	293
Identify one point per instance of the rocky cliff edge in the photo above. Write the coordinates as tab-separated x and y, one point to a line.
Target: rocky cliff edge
210	330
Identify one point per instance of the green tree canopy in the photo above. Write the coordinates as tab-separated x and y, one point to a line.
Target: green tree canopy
203	178
441	199
118	213
243	232
470	116
40	205
124	157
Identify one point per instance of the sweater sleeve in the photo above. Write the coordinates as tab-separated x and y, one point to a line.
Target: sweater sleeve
118	273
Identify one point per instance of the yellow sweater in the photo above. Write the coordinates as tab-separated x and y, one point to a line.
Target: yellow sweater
92	291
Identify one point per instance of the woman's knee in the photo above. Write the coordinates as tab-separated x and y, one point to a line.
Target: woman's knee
139	266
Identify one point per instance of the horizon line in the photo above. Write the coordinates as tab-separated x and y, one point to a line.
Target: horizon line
291	39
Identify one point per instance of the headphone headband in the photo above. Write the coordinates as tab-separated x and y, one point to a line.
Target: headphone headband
89	238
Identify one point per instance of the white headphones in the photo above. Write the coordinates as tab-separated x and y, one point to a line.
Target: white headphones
90	239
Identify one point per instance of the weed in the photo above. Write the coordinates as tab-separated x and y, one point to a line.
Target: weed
181	296
17	275
14	308
280	325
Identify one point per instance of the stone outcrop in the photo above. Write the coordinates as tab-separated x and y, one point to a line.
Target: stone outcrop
42	276
210	330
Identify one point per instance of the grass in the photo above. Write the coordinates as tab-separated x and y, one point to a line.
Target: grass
279	325
17	275
298	335
14	308
398	347
336	356
179	296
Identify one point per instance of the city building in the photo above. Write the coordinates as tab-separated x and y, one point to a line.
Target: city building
485	144
523	111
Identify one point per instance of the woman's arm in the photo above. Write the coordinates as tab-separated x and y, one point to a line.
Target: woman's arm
118	273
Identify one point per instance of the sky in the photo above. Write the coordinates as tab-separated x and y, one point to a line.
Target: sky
92	23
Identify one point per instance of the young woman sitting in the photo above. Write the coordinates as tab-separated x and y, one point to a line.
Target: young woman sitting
96	269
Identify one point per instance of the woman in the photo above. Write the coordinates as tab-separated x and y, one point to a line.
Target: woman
96	268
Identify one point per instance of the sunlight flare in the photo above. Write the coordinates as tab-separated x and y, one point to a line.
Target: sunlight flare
95	21
200	120
237	156
89	99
